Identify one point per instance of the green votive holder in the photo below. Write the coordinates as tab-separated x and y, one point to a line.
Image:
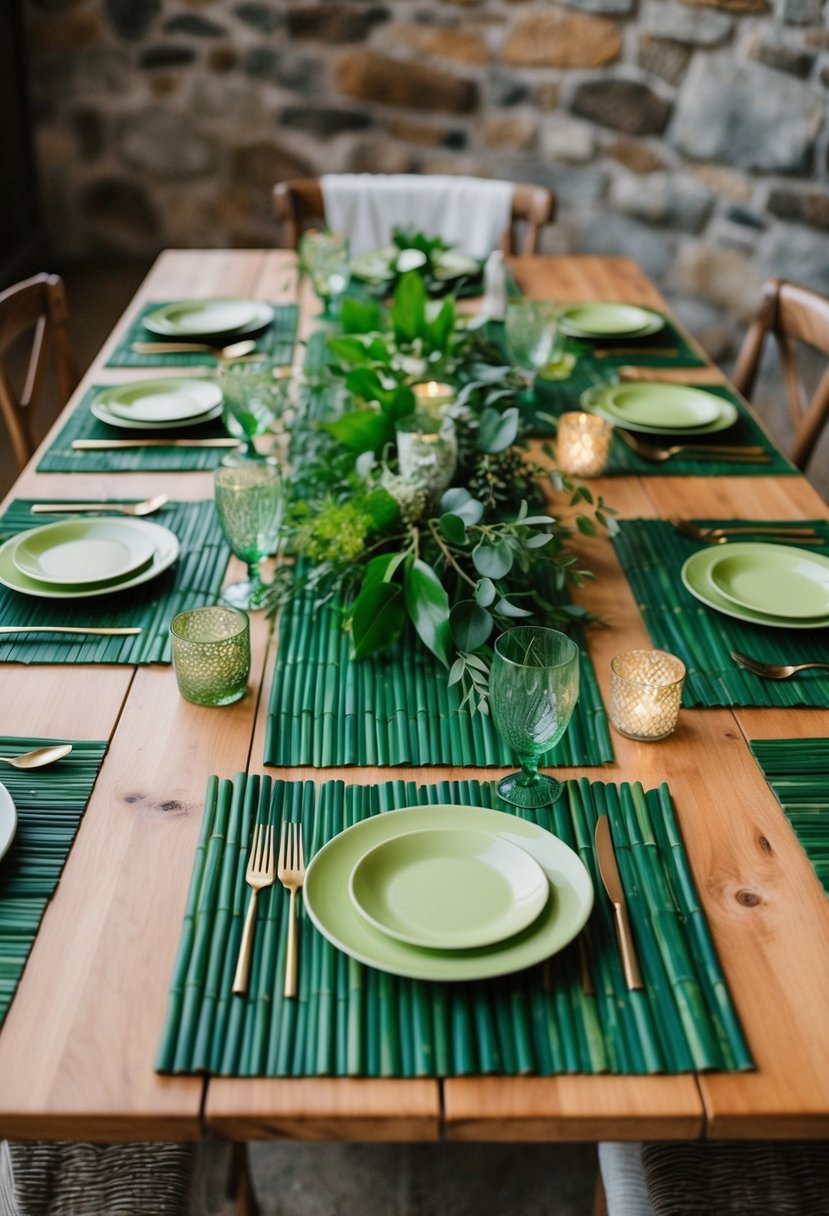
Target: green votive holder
211	654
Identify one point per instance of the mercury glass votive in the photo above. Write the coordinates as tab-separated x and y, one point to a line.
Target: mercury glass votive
211	654
645	693
431	395
583	444
427	451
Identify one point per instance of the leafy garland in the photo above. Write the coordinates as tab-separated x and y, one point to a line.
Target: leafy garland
460	569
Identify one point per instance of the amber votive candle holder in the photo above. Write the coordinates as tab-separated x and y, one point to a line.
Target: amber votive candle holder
211	654
583	444
645	693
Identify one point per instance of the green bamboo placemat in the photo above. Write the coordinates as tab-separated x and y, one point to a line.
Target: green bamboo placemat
652	554
394	708
61	457
193	580
798	772
351	1020
277	341
50	805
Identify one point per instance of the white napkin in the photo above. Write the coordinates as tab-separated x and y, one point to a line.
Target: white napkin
470	213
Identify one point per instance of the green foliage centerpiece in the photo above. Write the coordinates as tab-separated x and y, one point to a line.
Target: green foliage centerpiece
460	544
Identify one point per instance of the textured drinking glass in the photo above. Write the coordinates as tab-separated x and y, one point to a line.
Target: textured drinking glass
253	400
533	689
427	451
211	654
583	444
324	256
645	693
249	502
531	331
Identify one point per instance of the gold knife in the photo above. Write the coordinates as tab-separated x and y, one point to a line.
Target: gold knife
609	870
119	631
610	352
100	445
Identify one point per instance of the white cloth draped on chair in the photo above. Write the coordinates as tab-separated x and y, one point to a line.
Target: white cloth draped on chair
470	213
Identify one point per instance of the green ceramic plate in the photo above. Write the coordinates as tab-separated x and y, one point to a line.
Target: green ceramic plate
188	319
8	820
158	404
667	406
696	576
165	545
600	401
775	579
329	904
449	888
601	320
83	551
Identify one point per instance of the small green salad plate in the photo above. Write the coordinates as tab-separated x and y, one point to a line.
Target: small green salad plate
775	585
188	319
653	407
158	405
609	321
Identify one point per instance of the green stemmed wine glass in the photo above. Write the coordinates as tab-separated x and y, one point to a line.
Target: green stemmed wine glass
249	501
533	689
254	398
531	332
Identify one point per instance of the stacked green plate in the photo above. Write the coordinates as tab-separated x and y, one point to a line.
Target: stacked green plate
653	407
775	585
158	405
605	320
213	318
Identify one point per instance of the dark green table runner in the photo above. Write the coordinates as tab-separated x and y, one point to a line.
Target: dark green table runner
798	772
277	341
61	457
351	1020
652	554
393	708
50	806
193	580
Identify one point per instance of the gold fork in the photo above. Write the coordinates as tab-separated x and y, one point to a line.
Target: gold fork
744	453
718	536
260	873
291	873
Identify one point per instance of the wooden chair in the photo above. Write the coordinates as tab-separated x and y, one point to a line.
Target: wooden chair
793	315
299	205
36	306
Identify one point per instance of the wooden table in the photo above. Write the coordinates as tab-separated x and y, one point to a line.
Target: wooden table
77	1048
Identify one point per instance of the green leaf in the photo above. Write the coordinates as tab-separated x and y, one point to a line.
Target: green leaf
585	524
362	431
380	570
359	316
471	624
382	509
401	403
455	672
492	561
459	501
485	592
505	608
377	618
538	541
349	350
364	382
439	331
497	431
452	528
536	520
408	313
428	607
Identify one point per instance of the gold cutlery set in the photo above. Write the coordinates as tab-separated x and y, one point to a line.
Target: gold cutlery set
262	872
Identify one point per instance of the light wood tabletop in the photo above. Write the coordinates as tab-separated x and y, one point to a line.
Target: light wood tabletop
77	1046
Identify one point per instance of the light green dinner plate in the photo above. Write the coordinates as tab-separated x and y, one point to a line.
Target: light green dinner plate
600	401
602	320
327	899
696	577
158	404
84	552
775	579
165	544
449	888
669	406
188	319
8	820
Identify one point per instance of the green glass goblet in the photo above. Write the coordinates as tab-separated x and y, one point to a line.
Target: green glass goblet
249	500
254	398
532	336
324	256
533	689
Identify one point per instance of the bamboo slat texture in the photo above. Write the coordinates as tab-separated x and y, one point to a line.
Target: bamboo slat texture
277	341
652	554
326	709
798	772
194	579
351	1020
50	804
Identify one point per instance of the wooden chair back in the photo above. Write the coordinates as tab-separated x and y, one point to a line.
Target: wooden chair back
793	315
35	307
299	205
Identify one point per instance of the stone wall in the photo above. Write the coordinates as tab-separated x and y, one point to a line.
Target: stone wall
690	134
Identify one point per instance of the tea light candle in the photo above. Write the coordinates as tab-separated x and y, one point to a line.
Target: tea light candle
583	444
645	693
427	451
432	394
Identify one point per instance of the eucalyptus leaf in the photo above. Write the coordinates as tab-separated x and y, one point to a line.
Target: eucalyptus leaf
497	431
452	528
539	540
492	561
471	624
428	607
459	501
485	592
506	608
377	618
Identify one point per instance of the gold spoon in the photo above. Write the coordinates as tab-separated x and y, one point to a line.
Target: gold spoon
147	507
39	757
